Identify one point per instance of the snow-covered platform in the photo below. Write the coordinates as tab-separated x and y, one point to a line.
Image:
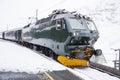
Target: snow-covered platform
21	63
17	60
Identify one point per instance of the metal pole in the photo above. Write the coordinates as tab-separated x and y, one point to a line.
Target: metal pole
119	56
36	14
119	59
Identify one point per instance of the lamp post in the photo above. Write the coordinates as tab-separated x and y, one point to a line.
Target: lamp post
119	56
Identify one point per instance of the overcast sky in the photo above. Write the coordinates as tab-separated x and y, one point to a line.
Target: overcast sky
15	13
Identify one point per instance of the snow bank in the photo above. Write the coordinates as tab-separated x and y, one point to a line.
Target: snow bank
17	58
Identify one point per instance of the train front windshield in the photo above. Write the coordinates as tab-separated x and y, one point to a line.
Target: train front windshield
80	24
91	25
77	23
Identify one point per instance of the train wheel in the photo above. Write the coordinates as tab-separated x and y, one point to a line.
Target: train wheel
38	48
53	55
31	46
46	52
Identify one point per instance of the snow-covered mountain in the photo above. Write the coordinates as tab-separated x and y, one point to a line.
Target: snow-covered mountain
110	10
106	16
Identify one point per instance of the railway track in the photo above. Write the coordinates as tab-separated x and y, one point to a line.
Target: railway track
109	70
98	72
99	69
93	74
95	66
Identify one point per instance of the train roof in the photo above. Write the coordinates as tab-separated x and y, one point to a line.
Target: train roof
13	29
56	14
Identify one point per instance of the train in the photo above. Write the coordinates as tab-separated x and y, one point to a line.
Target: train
67	37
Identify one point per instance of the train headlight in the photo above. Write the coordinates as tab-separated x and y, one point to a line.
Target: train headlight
74	34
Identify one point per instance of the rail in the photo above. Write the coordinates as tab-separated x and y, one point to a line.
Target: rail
106	69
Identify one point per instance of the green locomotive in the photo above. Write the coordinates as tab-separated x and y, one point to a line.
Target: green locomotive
66	36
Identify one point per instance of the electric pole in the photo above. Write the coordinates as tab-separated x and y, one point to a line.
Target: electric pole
119	56
36	14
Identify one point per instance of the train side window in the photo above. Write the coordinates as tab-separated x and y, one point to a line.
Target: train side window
63	24
58	24
53	23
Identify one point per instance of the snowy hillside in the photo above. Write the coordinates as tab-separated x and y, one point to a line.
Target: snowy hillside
106	16
109	10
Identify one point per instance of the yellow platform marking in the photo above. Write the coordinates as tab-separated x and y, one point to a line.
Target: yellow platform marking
72	62
49	76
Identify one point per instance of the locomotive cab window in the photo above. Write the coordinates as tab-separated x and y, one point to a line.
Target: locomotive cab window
76	23
60	24
91	25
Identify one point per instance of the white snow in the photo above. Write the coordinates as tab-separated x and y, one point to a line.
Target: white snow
0	34
106	16
92	74
108	41
17	58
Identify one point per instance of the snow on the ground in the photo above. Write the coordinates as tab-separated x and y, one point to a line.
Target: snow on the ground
0	34
92	74
108	41
20	59
17	58
106	16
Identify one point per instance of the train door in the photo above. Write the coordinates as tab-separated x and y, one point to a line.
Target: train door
19	35
60	32
59	35
3	35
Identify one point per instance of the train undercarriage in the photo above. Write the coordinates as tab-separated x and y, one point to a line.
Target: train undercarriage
65	60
